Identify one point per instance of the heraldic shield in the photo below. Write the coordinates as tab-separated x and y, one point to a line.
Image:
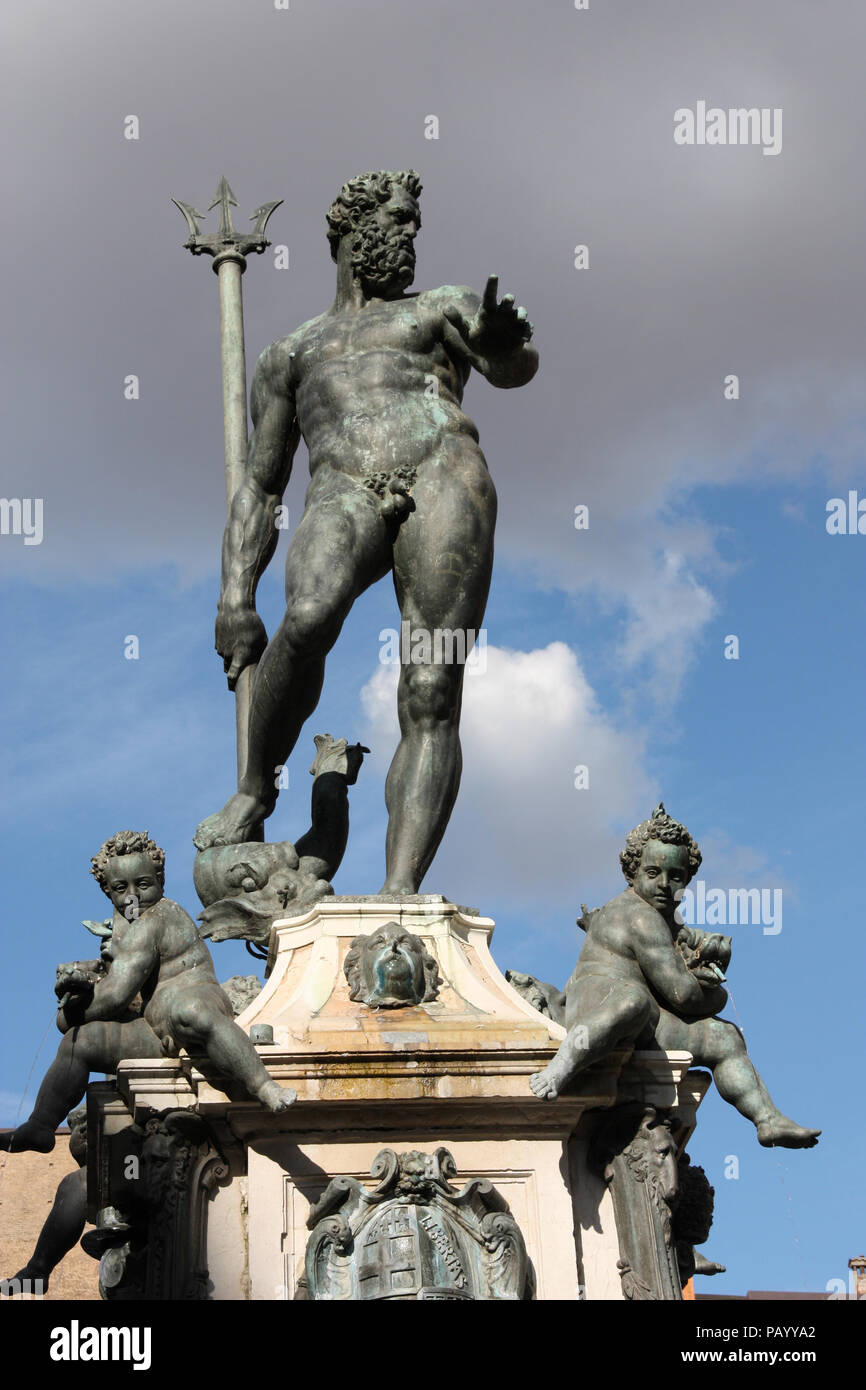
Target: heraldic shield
414	1236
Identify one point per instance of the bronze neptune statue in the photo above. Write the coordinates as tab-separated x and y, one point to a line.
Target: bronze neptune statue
398	485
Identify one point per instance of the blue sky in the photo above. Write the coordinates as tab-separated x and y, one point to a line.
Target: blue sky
762	757
707	517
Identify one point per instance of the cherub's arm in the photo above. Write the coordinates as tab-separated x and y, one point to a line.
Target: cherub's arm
132	964
669	976
74	987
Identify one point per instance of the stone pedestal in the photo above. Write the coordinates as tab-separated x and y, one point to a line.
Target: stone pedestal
451	1073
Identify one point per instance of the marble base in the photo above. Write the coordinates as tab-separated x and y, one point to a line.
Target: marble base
452	1072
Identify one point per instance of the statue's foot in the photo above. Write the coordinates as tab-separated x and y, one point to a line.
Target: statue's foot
28	1276
398	887
236	823
277	1098
27	1138
547	1084
779	1131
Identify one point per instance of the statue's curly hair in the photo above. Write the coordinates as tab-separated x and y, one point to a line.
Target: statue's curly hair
126	842
360	196
660	826
694	1210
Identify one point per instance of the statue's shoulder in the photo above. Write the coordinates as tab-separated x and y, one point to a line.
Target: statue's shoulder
276	360
459	296
627	911
170	916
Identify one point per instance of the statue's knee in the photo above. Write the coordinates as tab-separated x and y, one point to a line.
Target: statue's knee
638	1016
190	1018
733	1039
310	628
86	1043
725	1040
430	692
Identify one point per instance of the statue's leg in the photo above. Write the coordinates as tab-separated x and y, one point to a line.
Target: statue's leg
340	548
61	1230
601	1015
715	1043
201	1020
90	1047
443	556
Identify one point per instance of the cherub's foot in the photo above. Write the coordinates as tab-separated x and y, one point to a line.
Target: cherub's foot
24	1282
277	1098
779	1131
27	1138
236	823
547	1084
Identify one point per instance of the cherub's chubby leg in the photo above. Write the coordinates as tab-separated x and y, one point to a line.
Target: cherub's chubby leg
88	1048
717	1044
601	1015
62	1229
201	1020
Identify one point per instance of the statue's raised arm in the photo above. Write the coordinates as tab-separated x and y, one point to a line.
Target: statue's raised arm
492	335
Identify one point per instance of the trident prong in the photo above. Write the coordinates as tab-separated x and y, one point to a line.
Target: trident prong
225	200
192	215
261	215
226	242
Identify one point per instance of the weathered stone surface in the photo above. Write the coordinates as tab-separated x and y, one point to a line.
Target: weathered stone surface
412	1234
451	1071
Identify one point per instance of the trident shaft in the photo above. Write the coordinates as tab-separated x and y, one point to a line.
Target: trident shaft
230	249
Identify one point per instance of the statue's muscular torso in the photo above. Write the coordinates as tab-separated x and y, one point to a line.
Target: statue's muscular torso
180	959
376	388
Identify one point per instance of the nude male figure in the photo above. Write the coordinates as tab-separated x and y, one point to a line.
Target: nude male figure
155	954
398	483
644	978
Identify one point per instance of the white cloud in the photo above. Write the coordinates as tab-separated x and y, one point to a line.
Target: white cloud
667	614
520	827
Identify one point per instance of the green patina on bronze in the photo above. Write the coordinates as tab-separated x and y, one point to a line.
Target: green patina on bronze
398	485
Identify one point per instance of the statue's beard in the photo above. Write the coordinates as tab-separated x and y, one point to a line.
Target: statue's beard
383	261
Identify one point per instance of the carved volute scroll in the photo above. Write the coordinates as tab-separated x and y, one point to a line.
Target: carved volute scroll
634	1151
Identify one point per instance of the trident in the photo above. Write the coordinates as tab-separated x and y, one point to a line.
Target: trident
230	250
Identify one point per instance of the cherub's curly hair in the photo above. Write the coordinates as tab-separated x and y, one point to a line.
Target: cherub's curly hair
660	826
360	196
695	1201
126	842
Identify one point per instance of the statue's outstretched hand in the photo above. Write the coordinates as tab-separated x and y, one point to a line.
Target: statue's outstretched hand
240	638
495	330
